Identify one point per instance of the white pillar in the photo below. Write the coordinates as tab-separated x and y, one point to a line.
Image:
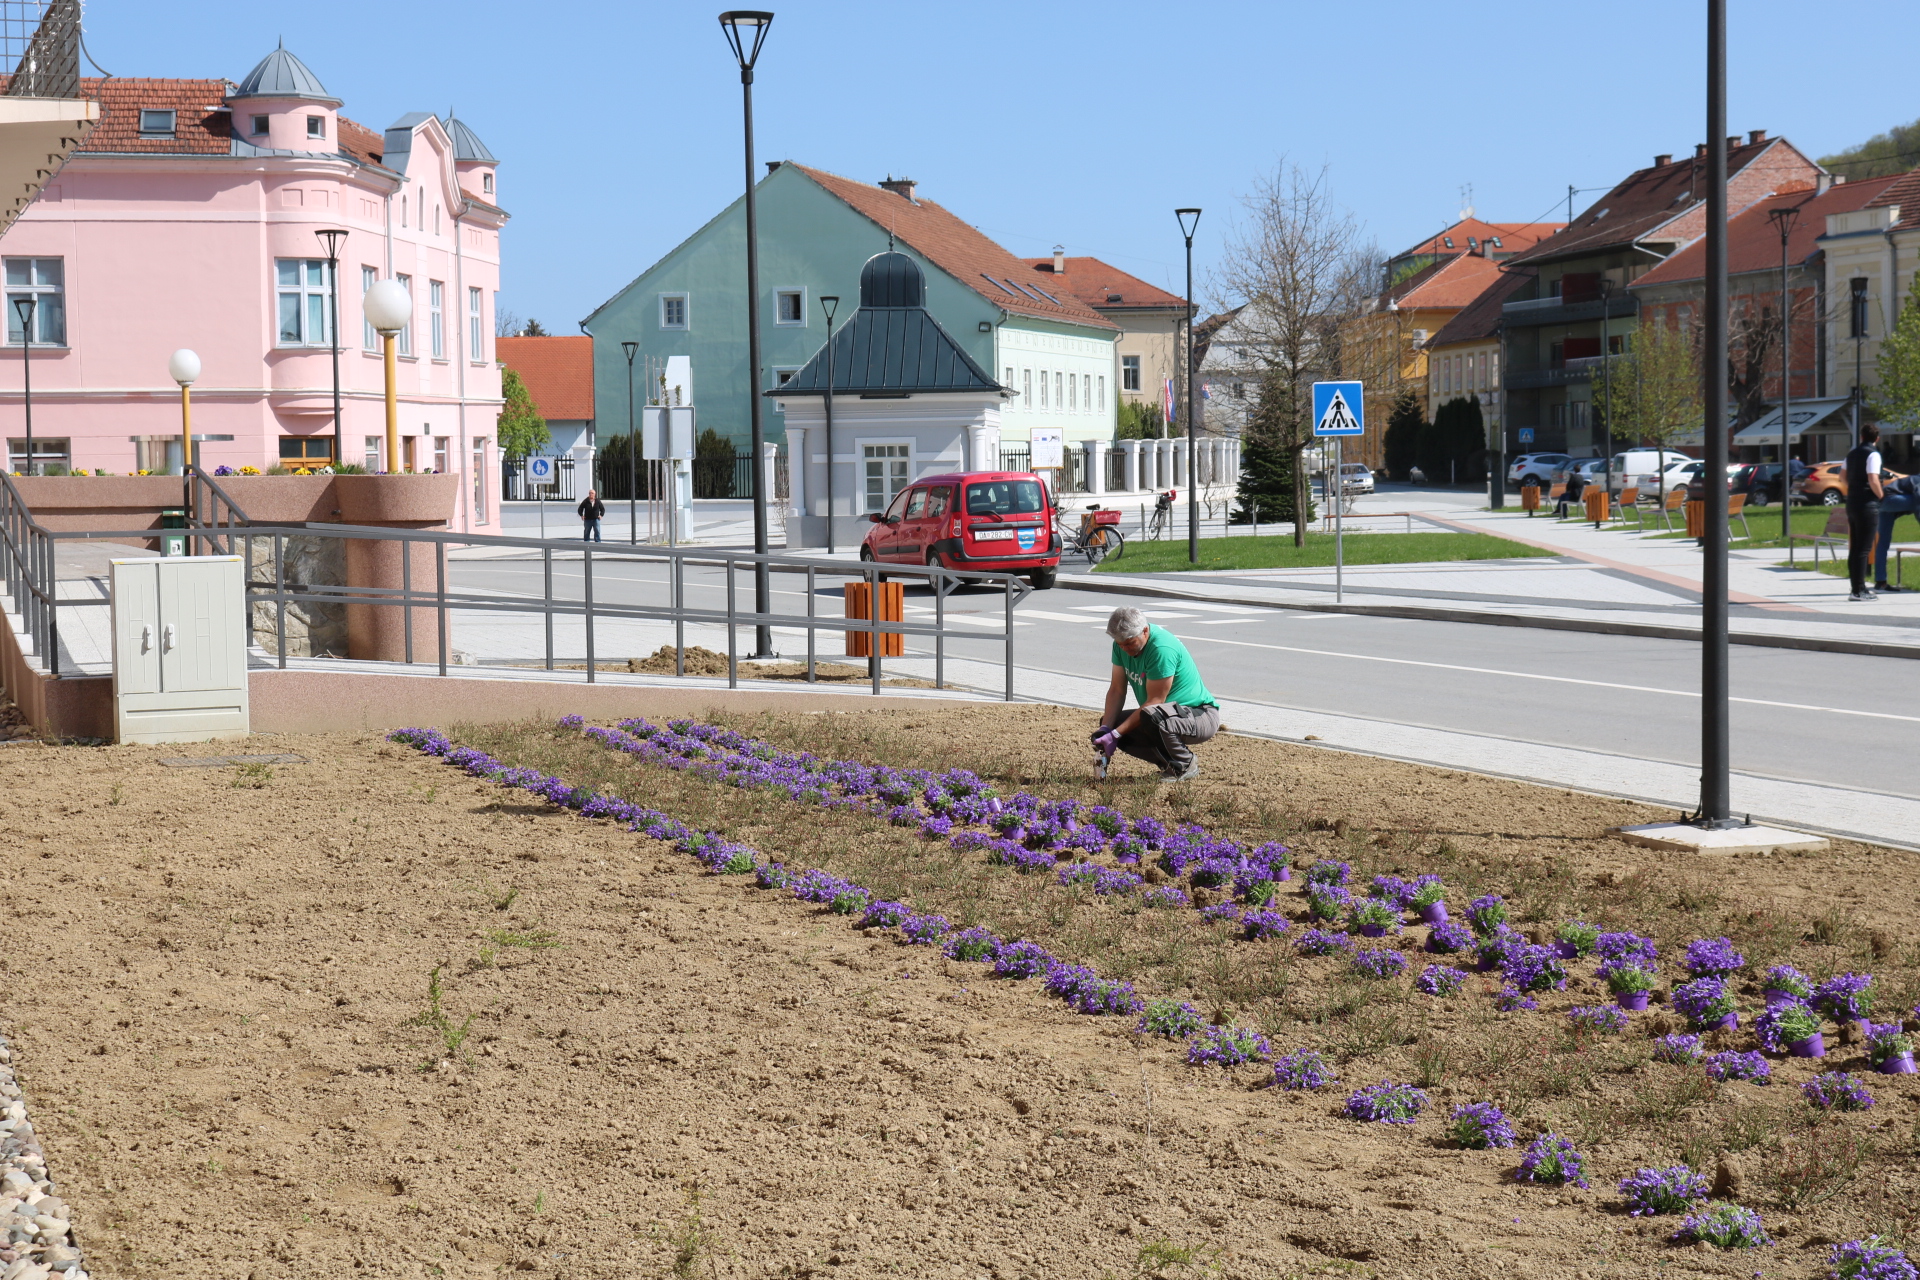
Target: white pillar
1182	472
1097	467
977	437
1150	465
769	475
798	447
1132	476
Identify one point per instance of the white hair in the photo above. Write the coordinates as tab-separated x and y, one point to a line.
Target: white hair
1125	624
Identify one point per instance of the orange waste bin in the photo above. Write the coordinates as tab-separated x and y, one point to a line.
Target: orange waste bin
1697	519
892	600
1529	498
1596	500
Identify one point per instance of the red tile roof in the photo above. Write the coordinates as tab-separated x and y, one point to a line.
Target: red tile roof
960	250
1453	283
1753	241
201	125
1905	192
1103	287
1513	236
360	142
1480	319
558	373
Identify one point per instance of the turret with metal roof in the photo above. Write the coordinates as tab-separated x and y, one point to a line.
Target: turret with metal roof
281	75
891	346
467	147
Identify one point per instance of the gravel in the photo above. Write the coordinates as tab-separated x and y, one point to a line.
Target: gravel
36	1234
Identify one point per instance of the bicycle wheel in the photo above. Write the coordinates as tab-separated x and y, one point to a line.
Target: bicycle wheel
1105	543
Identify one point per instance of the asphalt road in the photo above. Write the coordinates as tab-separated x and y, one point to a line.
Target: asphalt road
1835	719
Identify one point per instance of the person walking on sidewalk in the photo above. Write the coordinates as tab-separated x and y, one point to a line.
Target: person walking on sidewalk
1175	711
1864	491
591	511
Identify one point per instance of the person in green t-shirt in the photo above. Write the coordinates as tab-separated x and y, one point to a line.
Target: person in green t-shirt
1175	710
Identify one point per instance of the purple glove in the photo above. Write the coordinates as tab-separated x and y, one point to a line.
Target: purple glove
1106	740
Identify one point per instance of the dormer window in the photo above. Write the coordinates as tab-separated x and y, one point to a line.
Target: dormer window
486	184
1447	240
156	124
316	126
259	126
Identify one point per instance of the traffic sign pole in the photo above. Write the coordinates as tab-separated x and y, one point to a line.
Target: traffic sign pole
1339	529
1339	411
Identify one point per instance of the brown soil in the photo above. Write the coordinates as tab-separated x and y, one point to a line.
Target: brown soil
226	1038
701	661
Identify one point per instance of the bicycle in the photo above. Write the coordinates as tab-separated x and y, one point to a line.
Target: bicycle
1099	536
1162	523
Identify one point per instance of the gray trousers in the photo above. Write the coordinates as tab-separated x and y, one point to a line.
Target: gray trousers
1166	731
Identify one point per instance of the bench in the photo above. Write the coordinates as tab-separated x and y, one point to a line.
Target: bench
1676	500
1737	510
1834	536
1629	500
1900	551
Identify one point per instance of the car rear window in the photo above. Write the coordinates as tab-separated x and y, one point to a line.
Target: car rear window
1004	498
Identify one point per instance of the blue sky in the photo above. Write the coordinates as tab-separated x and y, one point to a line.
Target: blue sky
1084	124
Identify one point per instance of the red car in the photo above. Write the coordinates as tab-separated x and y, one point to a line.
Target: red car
1000	521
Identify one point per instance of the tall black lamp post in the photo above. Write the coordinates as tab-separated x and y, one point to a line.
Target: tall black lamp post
828	304
25	308
633	472
331	237
746	31
1716	802
1784	220
1606	386
1189	220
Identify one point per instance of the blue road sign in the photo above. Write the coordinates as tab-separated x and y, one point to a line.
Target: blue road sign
1526	435
539	468
1339	409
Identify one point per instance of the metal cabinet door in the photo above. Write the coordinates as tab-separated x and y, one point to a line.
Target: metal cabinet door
200	645
136	626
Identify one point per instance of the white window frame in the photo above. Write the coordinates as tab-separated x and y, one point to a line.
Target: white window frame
157	129
781	294
261	125
1101	384
403	344
309	294
437	318
1086	393
486	184
1073	394
1130	374
1026	383
686	308
1009	382
480	480
904	474
317	127
371	456
1043	390
49	321
1059	379
476	328
369	336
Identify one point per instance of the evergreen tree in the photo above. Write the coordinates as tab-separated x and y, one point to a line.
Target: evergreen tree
1897	399
1450	448
1139	420
1269	467
1401	447
520	429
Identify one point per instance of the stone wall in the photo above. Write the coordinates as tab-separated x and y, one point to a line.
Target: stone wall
315	629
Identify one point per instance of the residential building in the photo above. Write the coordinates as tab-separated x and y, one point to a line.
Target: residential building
558	374
1147	355
1818	215
817	232
1871	254
187	219
1463	357
1577	305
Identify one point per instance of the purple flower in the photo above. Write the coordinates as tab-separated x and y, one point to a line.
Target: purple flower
1427	890
773	876
1703	1002
1627	976
1228	1047
1221	911
925	930
1784	1025
1885	1040
1725	1226
1535	968
1263	924
1680	1049
1065	980
571	722
1450	937
1108	995
1302	1069
1021	960
1117	883
1509	1000
1376	913
885	915
1579	935
1328	901
1387	1103
1437	980
1487	914
1479	1126
1627	946
937	828
1174	1019
1550	1160
1870	1259
1605	1018
1323	942
1786	978
1165	895
1080	873
1713	958
1845	997
1391	889
1739	1066
1669	1190
1379	963
1837	1091
971	944
1328	872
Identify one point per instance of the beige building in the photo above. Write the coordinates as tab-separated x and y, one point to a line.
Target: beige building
1147	355
1871	255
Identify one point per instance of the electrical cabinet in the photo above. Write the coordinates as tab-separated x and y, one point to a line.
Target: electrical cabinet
179	649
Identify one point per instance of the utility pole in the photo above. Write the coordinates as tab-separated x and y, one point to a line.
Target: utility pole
1716	804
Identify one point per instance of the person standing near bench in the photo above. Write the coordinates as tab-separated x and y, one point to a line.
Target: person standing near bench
1175	713
1864	491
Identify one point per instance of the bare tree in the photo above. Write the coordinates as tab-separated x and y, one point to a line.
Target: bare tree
1293	259
506	324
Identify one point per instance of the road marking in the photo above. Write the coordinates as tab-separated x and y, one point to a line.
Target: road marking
1527	675
1185	604
1292	617
1059	617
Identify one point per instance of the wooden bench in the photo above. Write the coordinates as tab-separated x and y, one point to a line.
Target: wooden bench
1900	551
1737	510
1676	501
1629	501
1833	537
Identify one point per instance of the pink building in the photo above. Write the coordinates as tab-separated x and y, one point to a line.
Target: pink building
187	218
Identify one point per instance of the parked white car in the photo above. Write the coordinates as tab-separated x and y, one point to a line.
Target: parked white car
1536	468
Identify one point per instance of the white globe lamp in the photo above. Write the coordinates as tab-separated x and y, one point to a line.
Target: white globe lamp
388	308
184	368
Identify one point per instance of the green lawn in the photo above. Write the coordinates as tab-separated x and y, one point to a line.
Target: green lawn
1278	552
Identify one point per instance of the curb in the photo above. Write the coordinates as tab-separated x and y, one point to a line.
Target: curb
1652	631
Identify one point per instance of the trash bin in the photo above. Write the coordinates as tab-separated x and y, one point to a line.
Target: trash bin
1596	500
1529	498
892	599
173	544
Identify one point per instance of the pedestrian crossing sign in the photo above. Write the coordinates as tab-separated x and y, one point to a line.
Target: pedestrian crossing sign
1339	409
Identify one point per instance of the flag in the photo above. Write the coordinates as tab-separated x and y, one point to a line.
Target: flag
1168	406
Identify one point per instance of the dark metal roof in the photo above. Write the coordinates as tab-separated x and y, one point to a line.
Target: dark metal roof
281	75
466	143
891	345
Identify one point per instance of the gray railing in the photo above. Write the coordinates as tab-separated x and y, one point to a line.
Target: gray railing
40	42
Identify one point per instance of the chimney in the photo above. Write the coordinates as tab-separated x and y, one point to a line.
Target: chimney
1662	161
1822	183
1733	142
902	187
774	164
1699	151
1756	137
1059	260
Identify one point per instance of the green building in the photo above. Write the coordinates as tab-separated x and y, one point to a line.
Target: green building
1052	352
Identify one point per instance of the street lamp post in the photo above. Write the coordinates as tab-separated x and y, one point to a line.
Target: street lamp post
25	308
1716	802
828	304
184	368
1606	387
388	308
746	31
1784	219
1189	220
331	237
633	468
